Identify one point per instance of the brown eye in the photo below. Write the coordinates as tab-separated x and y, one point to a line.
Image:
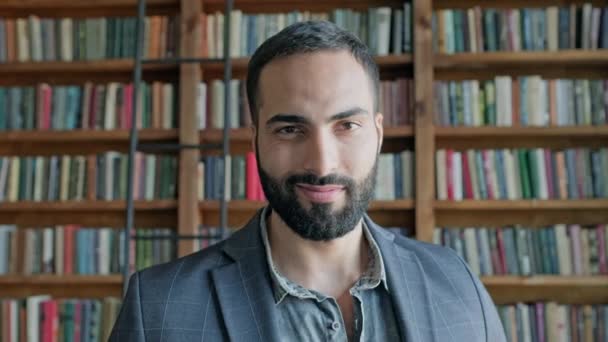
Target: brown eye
349	126
288	130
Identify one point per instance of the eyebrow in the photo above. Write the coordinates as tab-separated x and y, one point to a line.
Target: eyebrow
295	118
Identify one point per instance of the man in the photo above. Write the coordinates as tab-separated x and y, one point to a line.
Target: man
312	266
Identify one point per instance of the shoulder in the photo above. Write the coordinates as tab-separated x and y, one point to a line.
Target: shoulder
433	257
183	272
442	267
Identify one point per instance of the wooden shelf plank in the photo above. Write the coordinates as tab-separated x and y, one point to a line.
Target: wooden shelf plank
465	4
76	141
398	132
563	289
530	205
76	136
462	138
79	72
533	213
518	132
485	59
89	66
60	279
84	8
486	65
276	6
118	205
12	4
546	280
214	135
161	213
65	286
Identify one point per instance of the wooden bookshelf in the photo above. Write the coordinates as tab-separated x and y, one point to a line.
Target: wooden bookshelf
461	138
77	142
79	72
61	286
531	205
487	65
89	213
463	4
525	212
564	289
526	58
89	66
83	8
424	212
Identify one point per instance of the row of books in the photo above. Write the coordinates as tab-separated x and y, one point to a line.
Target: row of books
242	180
42	318
72	249
523	101
155	176
110	106
91	106
384	30
395	177
62	178
522	174
396	102
551	321
553	28
70	39
560	249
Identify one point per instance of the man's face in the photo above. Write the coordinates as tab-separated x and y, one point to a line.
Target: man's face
317	142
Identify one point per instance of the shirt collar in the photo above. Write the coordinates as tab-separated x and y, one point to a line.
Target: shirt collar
373	276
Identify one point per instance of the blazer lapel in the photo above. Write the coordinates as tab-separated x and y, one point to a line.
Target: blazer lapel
407	287
243	288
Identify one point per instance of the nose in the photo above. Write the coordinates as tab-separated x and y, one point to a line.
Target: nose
321	154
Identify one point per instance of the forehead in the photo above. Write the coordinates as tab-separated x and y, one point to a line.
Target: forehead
314	84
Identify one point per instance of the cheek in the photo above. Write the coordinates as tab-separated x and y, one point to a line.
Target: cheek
358	159
276	159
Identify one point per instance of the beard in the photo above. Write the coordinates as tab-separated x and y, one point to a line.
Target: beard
320	222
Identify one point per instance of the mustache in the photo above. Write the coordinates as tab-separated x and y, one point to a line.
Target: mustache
312	179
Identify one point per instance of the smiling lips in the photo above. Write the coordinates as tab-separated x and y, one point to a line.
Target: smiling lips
321	194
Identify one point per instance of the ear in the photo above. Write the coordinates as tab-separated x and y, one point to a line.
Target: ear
378	119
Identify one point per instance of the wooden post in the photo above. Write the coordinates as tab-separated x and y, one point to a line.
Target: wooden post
190	77
424	129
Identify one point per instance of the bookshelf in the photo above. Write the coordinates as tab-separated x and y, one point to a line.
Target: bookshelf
423	213
495	213
91	213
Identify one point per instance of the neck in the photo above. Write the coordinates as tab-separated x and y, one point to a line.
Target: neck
329	267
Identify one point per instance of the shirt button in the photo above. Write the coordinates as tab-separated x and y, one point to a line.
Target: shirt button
335	326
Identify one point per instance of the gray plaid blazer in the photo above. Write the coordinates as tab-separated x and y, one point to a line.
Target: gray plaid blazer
223	293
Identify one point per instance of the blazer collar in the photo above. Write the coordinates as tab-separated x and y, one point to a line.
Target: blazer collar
243	287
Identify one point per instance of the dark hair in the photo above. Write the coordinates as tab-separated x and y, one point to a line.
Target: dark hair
306	37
